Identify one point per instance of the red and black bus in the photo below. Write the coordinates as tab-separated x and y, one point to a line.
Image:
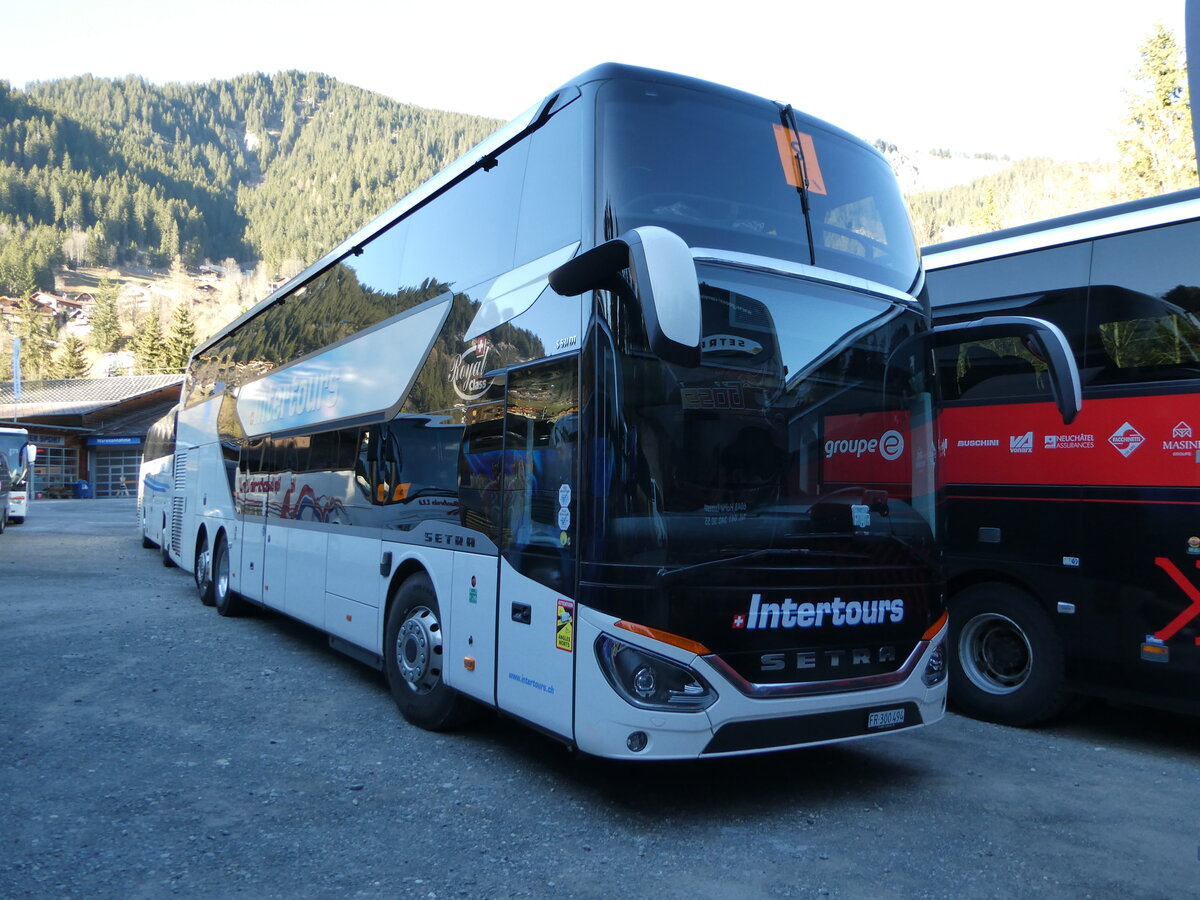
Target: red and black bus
1073	552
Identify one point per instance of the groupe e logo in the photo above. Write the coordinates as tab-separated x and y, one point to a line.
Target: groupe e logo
889	445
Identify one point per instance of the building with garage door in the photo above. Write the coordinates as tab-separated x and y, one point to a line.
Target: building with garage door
88	429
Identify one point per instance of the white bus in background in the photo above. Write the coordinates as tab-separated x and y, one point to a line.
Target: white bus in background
620	426
20	455
155	484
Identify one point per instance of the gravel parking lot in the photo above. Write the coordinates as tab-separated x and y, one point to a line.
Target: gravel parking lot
151	749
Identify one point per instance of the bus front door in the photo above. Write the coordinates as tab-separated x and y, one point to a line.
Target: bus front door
536	646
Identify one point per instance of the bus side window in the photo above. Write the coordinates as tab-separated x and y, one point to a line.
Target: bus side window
540	490
479	469
992	370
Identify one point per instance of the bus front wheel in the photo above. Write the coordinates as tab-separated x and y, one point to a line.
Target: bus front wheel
1006	660
414	659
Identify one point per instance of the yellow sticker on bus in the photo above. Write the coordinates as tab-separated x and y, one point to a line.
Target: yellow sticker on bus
564	627
792	147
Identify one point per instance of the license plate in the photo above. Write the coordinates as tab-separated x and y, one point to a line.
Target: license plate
885	718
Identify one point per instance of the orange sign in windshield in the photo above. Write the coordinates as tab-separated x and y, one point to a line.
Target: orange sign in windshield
792	147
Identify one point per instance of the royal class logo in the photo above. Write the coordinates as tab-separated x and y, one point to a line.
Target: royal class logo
1126	439
837	612
466	373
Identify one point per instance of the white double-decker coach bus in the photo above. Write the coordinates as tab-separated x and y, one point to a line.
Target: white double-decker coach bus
620	426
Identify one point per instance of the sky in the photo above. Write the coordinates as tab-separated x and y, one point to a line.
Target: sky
1018	78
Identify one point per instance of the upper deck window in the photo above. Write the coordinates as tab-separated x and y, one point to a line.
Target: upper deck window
722	173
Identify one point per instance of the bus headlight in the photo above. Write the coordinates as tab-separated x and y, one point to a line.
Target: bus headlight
935	669
650	681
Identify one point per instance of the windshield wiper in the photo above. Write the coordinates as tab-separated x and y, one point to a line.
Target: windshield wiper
788	117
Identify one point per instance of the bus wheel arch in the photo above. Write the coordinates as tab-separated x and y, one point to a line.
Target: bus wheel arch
414	655
1006	655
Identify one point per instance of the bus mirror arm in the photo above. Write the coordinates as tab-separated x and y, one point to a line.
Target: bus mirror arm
664	277
1064	373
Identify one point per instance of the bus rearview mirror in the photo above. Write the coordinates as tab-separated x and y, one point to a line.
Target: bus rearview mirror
1045	336
662	273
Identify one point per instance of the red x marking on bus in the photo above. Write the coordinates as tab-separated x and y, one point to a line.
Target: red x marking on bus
1188	588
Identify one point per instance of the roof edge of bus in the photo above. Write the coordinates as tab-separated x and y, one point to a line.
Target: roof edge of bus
611	70
1143	213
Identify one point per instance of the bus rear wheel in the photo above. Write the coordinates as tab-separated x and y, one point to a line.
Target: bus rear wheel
1006	658
204	574
413	659
227	601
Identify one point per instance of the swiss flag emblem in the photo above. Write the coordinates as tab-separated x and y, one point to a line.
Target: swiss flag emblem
739	621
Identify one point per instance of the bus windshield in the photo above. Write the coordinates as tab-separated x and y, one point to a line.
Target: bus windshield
726	173
795	429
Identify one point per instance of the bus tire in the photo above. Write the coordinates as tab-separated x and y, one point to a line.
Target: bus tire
413	659
168	563
148	544
1006	657
227	601
203	573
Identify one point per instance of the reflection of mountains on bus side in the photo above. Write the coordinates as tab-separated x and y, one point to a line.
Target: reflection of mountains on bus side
336	306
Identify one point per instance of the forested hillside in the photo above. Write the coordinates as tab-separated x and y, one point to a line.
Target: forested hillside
271	168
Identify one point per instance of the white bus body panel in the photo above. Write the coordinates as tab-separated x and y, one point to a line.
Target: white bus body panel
202	485
304	593
534	679
353	588
154	498
470	618
249	548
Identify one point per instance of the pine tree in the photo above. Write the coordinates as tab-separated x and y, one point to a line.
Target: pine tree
36	342
149	347
1157	152
181	339
106	321
71	362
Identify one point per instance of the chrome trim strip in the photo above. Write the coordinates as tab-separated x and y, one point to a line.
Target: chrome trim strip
808	688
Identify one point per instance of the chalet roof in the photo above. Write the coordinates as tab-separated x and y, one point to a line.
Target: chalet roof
79	396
